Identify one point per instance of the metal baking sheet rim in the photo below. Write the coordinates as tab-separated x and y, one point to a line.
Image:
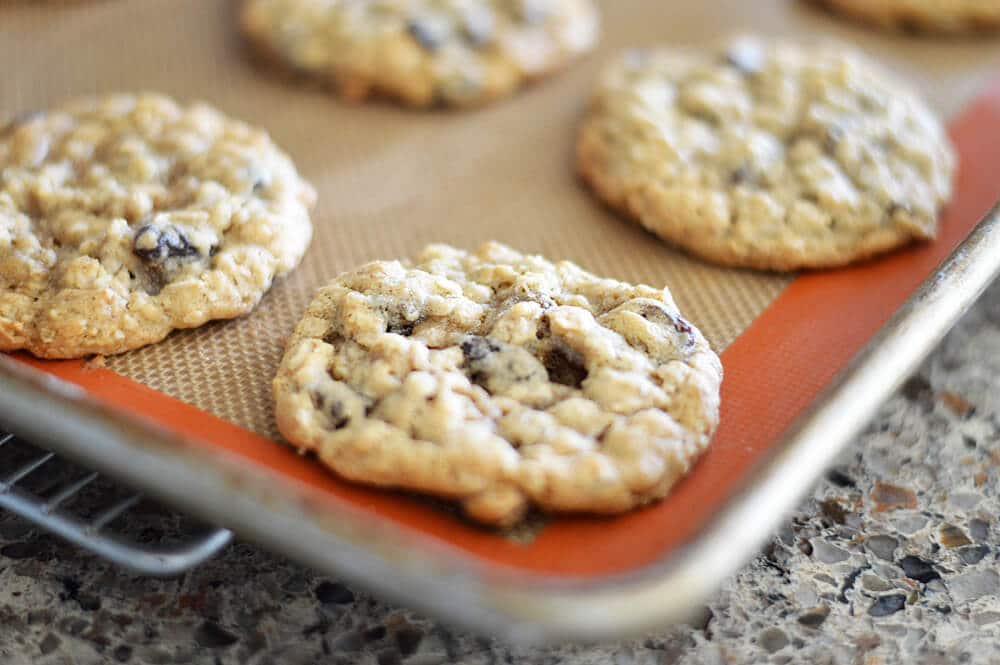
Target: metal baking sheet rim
520	607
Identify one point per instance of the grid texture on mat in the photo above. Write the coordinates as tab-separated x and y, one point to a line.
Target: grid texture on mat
391	180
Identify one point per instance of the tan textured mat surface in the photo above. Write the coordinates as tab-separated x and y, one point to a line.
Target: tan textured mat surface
391	180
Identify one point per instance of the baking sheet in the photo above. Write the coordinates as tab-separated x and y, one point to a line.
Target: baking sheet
391	180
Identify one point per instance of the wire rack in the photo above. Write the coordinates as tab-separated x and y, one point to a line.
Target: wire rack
99	515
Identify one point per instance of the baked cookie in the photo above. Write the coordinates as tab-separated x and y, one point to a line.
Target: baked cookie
767	155
127	216
950	17
423	52
499	380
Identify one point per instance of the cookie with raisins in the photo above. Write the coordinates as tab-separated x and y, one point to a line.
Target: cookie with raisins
940	17
127	216
767	154
422	53
500	381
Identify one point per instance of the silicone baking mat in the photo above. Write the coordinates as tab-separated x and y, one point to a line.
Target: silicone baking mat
391	180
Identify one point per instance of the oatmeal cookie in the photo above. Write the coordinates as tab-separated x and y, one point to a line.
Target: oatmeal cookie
945	17
422	52
500	381
766	155
126	216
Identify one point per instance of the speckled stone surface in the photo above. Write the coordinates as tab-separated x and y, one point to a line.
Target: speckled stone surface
892	559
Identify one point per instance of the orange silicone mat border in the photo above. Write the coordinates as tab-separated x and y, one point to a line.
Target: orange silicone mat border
774	370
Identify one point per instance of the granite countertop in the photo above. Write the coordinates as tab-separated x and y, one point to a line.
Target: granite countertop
892	559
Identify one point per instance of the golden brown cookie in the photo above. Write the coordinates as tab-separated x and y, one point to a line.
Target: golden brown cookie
766	155
423	52
127	216
499	380
948	17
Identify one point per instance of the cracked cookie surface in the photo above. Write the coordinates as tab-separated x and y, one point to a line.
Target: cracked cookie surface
767	155
499	380
945	17
124	217
423	52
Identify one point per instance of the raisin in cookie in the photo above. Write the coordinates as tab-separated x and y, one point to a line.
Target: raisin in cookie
954	17
127	216
499	380
766	155
423	52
